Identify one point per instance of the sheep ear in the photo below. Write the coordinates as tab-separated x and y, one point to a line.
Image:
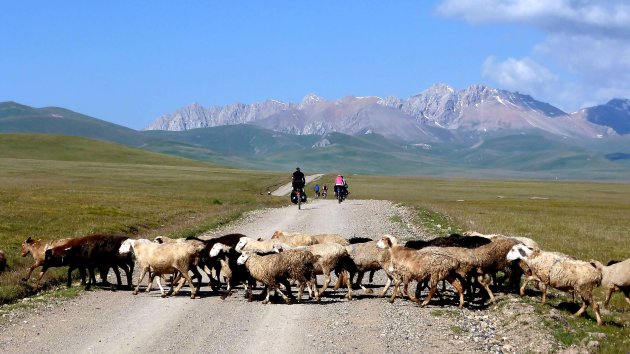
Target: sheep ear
29	240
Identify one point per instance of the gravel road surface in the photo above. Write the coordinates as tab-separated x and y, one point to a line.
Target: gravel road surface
118	322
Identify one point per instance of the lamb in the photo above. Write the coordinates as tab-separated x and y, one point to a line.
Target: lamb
167	258
332	257
430	264
562	273
275	269
615	277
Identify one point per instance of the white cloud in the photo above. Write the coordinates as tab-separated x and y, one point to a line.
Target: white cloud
518	74
587	41
556	16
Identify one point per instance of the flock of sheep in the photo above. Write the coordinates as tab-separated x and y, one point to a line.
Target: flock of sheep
469	262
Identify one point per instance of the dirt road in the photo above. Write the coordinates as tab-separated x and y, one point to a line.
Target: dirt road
118	322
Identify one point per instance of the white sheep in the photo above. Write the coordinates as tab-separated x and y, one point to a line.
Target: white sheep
278	268
616	277
167	258
562	273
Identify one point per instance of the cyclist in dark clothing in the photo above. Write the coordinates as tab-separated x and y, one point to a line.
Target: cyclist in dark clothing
297	180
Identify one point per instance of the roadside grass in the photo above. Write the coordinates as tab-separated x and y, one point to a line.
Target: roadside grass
588	220
50	199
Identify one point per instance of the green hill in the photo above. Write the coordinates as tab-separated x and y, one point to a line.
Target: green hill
523	155
17	118
70	148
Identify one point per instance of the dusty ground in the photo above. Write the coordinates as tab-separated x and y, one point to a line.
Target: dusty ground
104	321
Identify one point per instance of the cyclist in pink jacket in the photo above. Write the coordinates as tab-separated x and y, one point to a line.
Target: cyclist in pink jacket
340	185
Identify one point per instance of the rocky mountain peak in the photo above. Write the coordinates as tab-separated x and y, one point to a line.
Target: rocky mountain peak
310	100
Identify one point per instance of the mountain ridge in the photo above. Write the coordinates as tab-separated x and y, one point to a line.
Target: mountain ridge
439	113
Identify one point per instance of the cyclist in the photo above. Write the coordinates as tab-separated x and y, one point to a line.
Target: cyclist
325	191
340	185
297	180
316	188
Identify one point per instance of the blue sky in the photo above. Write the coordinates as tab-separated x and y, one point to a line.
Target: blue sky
129	62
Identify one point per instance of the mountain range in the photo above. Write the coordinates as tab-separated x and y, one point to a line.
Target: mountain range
476	132
438	114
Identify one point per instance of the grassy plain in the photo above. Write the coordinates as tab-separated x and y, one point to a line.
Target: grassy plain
54	187
587	220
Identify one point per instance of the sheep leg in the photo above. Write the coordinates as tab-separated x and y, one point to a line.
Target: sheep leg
300	292
150	283
340	278
432	291
626	294
386	287
117	273
486	285
324	285
41	275
349	285
151	277
144	272
197	275
609	295
456	283
394	290
413	297
159	283
284	297
371	276
266	300
544	293
287	286
30	271
527	280
187	277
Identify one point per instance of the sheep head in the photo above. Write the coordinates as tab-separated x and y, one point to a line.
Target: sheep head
385	242
216	249
26	246
241	244
243	257
519	251
125	246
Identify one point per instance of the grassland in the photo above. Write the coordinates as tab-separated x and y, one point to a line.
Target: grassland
54	187
584	219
